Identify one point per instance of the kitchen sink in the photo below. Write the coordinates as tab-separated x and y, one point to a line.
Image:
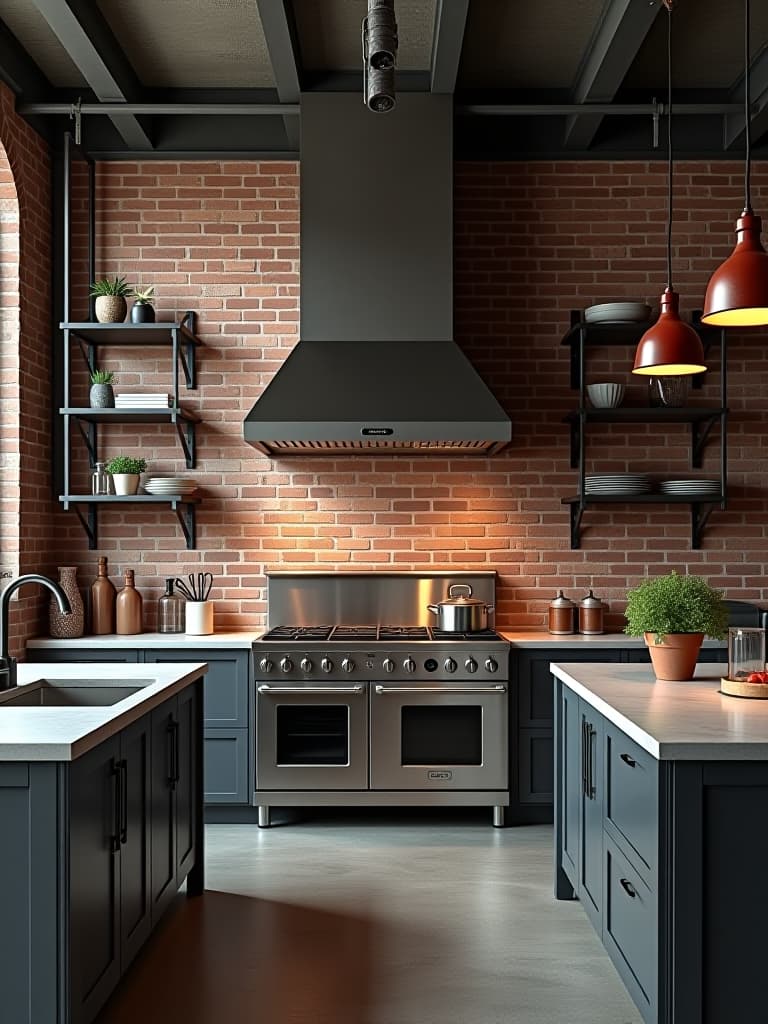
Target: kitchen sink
72	693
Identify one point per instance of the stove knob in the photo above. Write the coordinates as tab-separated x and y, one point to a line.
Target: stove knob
266	664
326	665
388	665
347	664
286	665
409	665
470	665
306	665
450	665
491	665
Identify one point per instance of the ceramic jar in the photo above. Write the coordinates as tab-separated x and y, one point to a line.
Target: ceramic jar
67	627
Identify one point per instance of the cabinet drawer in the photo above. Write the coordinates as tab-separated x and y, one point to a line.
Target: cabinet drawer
630	928
632	795
225	766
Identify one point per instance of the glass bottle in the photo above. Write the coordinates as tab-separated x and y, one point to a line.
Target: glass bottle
103	597
170	611
99	479
128	607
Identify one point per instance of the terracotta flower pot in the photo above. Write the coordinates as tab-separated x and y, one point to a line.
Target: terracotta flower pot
676	657
110	309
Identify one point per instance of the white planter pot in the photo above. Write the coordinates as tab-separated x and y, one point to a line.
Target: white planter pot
126	483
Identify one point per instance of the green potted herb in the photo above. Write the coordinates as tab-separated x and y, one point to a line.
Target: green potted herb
102	394
110	295
142	310
674	613
126	473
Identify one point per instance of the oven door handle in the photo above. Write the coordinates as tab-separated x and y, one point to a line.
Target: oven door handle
309	690
441	689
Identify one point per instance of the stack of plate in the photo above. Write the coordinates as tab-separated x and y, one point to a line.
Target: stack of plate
161	485
616	312
624	484
691	488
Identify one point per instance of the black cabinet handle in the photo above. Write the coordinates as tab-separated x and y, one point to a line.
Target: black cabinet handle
628	888
173	748
628	760
591	734
117	796
123	766
584	746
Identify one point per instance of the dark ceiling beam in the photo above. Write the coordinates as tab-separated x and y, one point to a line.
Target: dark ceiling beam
733	126
447	41
91	45
623	26
18	70
280	34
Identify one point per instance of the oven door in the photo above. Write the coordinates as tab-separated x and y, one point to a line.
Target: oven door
439	737
311	737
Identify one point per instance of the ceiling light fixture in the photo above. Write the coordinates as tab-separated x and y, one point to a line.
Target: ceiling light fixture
379	55
737	293
671	347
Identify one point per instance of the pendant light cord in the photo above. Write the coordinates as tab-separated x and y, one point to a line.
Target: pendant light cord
747	115
668	5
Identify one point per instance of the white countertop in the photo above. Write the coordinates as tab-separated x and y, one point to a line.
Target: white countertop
64	733
240	638
673	721
541	638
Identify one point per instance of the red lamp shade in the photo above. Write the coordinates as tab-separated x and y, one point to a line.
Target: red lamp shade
737	294
671	347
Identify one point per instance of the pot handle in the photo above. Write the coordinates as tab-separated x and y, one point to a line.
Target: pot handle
460	586
433	608
489	608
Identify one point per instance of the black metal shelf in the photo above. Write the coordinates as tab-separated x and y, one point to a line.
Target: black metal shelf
182	505
702	419
182	340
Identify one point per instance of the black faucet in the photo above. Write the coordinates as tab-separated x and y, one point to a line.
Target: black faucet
7	663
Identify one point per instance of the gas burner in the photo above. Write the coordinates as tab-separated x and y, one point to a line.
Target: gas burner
479	634
403	633
354	633
298	633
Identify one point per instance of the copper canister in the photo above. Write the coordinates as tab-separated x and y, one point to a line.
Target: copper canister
562	615
591	614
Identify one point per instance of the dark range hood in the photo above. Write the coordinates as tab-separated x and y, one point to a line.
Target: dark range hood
376	367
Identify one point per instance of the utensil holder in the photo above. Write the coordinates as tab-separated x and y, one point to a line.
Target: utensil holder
198	618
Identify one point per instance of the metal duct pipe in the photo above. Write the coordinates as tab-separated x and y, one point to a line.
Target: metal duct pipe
379	55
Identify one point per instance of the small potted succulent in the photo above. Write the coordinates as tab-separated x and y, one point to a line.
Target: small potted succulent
142	310
102	393
126	473
674	614
110	295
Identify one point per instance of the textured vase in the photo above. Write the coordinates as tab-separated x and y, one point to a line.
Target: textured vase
102	396
142	313
675	658
111	309
67	627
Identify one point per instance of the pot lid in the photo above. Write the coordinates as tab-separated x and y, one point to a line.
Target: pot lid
463	600
561	601
590	601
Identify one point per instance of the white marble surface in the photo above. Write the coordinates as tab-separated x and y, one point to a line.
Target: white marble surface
64	733
541	638
673	721
240	638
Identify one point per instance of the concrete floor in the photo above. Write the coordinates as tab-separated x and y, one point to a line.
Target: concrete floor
390	918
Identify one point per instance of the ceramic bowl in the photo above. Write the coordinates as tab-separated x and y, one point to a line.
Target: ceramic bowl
605	396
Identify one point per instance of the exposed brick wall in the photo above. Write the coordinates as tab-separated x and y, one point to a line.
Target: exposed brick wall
532	241
29	413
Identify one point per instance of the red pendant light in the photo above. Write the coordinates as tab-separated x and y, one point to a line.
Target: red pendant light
737	293
671	347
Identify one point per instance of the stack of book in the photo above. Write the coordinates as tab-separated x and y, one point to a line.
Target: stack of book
137	400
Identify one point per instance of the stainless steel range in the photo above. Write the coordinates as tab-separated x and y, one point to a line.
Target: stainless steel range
360	702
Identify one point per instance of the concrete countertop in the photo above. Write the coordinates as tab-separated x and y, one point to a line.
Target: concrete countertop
673	721
240	638
541	638
65	733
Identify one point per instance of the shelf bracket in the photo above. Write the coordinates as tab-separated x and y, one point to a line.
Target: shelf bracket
186	432
89	437
699	516
187	522
187	351
89	524
699	434
575	427
577	511
88	353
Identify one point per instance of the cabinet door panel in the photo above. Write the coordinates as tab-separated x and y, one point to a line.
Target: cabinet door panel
225	685
535	679
632	795
94	879
630	927
135	901
572	791
186	807
536	766
591	846
163	818
226	766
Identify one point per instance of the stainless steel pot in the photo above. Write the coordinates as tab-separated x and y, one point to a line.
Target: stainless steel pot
465	614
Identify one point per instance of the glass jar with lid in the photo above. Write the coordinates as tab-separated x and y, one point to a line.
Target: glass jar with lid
100	479
170	611
746	651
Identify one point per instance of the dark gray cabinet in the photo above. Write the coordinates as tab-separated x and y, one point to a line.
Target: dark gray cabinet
590	876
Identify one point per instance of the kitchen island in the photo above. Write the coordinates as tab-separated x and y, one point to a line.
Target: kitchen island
101	805
661	831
